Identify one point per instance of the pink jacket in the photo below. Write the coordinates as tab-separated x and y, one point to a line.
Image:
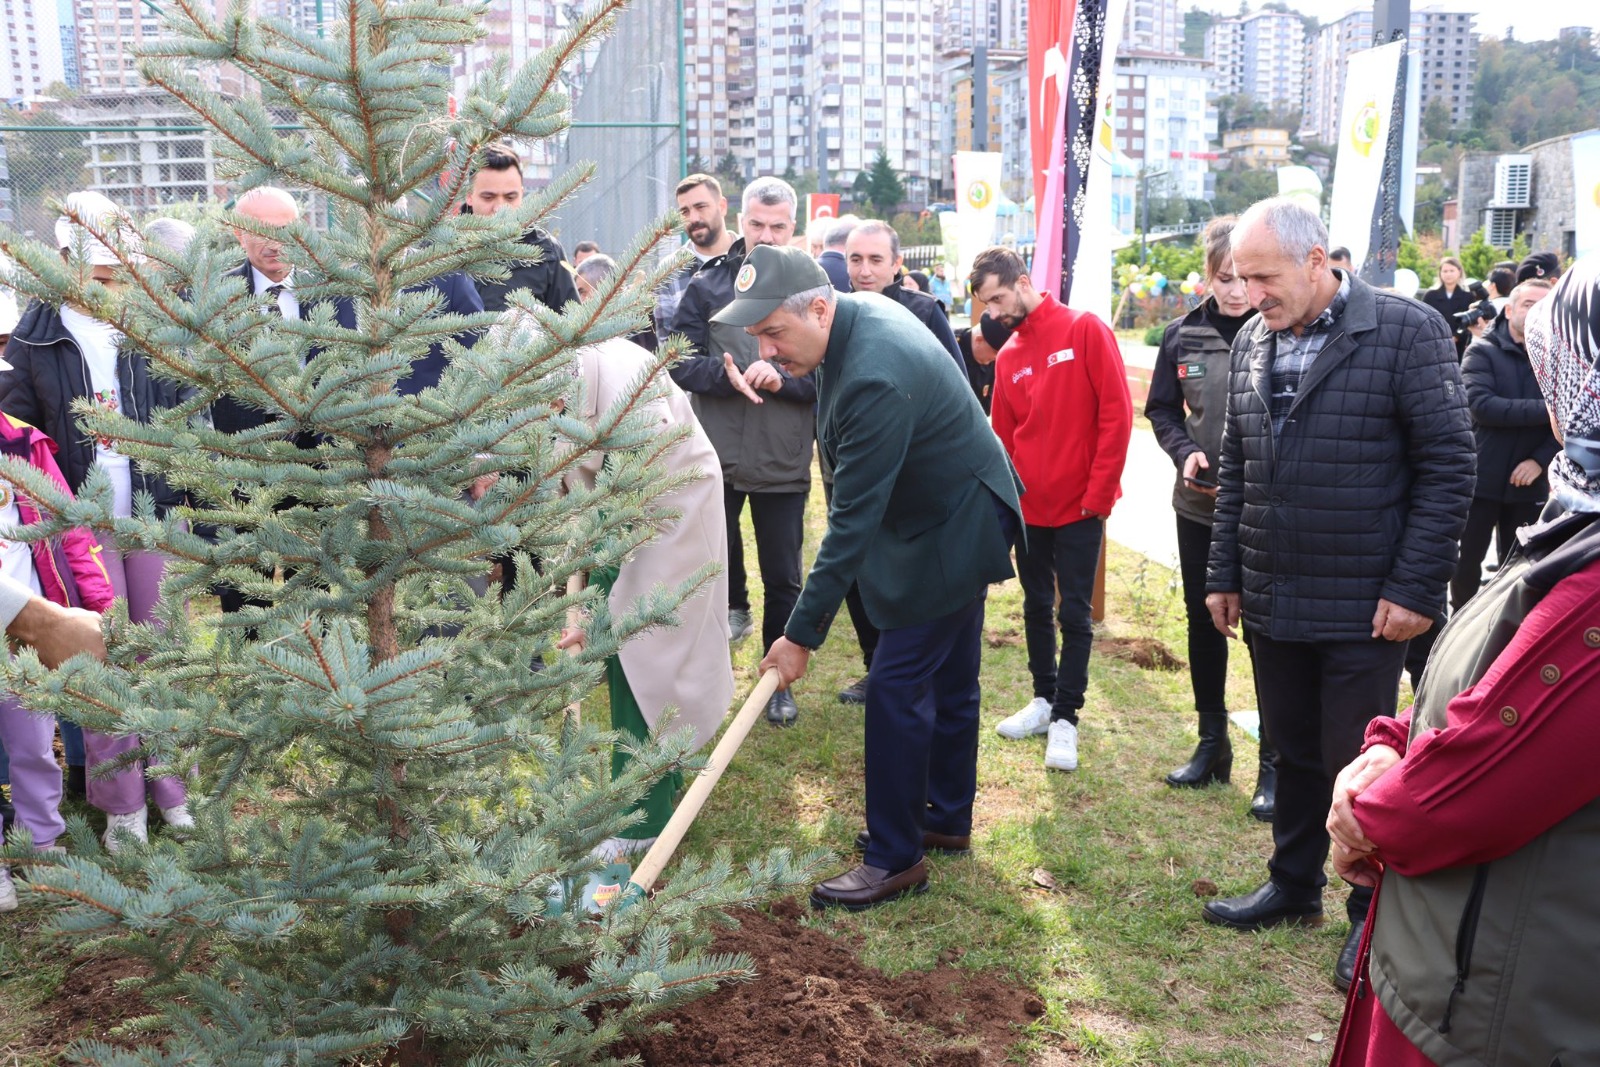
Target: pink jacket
69	567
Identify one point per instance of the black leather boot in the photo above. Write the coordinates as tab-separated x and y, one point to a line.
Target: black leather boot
1213	756
1265	803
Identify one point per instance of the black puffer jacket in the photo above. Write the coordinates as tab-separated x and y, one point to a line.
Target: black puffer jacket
548	280
48	373
929	312
1509	417
1365	492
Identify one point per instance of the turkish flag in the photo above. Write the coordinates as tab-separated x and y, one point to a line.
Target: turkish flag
1049	45
822	206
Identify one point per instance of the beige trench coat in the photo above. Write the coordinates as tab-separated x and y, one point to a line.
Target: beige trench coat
686	666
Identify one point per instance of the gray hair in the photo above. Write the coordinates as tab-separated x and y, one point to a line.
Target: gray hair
839	232
769	192
172	234
595	268
872	226
1297	228
798	302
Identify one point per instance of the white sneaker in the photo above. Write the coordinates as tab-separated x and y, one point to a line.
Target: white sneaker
8	891
1029	722
178	816
616	849
129	825
1061	751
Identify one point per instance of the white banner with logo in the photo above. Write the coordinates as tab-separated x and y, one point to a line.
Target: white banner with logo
977	196
1364	124
1586	192
1303	185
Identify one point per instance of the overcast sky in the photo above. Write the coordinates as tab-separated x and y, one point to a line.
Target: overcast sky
1536	21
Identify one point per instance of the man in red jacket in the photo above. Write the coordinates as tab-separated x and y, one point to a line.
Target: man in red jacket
1061	409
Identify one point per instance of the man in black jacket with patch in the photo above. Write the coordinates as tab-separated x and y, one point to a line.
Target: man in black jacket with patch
1343	485
872	254
765	444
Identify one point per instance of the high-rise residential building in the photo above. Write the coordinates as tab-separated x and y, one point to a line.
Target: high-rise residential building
1261	56
67	30
516	31
1448	53
715	32
786	78
871	71
107	35
1152	26
30	51
1163	120
964	24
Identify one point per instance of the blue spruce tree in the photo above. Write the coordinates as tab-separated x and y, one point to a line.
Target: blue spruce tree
388	791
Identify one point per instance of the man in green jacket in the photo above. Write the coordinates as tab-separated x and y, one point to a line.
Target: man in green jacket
923	515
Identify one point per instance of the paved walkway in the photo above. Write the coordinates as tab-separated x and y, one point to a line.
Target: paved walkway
1143	519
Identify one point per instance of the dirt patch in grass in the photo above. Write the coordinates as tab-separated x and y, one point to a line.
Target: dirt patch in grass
816	1004
1145	653
89	1004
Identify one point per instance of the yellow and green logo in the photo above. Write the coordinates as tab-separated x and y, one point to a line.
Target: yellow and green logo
1364	131
979	194
746	278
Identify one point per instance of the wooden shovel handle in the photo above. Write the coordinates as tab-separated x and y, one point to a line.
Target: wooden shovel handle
655	860
575	584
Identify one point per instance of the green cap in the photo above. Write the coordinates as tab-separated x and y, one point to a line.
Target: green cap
771	274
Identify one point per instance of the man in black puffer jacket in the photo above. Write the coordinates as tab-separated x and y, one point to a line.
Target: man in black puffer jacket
1345	478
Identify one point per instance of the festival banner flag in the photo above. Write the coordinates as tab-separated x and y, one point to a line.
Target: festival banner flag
1364	127
822	206
1069	101
1410	132
977	196
1089	235
1303	185
1586	192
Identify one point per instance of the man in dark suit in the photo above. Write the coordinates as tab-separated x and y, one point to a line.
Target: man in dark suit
270	276
923	514
835	233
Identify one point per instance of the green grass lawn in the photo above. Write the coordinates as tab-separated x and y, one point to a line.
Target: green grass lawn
1117	950
1129	971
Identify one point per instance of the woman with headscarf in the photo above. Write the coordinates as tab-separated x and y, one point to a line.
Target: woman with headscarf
1477	812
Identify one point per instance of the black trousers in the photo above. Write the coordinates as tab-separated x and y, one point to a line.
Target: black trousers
866	633
1060	559
922	734
779	520
1316	701
1485	518
1208	646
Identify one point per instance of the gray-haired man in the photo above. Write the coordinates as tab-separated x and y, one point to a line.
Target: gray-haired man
765	447
1343	485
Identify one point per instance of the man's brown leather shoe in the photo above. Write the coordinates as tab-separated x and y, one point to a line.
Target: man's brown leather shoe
866	887
944	844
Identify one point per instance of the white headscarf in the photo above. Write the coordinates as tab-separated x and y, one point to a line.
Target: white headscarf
106	217
1563	336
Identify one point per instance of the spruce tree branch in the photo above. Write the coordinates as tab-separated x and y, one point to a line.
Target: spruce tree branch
257	65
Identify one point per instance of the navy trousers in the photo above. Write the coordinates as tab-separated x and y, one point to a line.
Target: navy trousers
922	734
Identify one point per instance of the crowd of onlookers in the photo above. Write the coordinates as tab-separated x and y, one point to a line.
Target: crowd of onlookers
1343	456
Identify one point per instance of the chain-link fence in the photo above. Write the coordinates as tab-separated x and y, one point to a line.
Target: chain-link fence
143	149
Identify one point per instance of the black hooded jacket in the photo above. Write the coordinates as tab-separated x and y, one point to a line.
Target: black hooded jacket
48	373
